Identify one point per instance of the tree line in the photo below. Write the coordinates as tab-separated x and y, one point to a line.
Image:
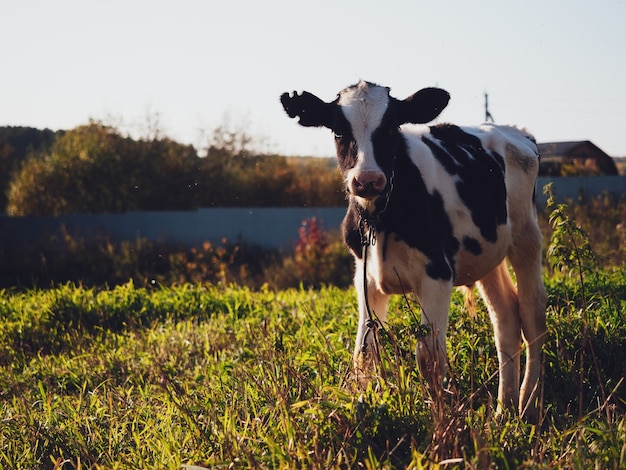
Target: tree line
94	168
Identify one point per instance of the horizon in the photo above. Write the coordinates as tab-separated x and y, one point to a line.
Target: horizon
200	151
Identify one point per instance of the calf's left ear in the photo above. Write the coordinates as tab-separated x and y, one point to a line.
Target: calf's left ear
423	106
312	111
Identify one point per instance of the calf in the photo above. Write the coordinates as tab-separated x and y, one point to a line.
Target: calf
435	207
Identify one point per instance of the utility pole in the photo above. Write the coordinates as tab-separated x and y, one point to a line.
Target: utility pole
488	116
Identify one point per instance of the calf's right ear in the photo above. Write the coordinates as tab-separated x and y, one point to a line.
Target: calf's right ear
312	111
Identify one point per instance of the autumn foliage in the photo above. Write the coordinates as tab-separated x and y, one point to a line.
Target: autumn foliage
95	169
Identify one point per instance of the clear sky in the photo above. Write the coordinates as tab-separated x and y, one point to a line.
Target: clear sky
556	67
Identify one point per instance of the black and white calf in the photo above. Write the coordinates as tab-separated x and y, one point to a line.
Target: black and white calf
445	205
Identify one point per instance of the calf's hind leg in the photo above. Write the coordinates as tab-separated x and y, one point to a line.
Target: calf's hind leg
525	258
500	295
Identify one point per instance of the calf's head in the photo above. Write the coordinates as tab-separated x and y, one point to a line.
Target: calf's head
366	122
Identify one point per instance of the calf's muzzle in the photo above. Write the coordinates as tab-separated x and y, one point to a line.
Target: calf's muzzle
368	184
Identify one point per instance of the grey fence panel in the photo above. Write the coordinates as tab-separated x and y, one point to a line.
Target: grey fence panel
573	188
275	228
264	227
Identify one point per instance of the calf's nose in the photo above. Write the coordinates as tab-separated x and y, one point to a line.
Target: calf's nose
368	184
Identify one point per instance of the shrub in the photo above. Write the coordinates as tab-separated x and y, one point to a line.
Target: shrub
602	219
582	337
319	258
95	169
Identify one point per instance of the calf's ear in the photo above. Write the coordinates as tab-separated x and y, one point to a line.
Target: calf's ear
312	111
423	106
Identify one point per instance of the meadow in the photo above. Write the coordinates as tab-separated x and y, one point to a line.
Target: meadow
202	375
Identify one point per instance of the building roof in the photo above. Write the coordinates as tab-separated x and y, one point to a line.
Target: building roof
582	151
552	149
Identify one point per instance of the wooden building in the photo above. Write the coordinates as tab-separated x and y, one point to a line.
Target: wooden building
579	158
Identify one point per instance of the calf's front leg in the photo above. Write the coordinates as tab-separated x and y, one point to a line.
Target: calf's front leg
366	349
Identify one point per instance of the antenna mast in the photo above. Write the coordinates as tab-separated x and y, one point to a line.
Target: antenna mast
488	116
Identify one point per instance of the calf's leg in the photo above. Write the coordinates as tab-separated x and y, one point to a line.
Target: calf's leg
366	353
525	257
434	297
500	295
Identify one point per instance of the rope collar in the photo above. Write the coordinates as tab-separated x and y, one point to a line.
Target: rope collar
368	238
368	233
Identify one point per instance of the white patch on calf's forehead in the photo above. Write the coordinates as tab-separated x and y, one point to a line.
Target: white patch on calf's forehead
363	91
364	106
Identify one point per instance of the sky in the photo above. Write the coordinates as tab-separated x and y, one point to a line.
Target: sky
186	67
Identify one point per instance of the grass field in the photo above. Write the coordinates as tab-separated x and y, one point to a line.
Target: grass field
221	377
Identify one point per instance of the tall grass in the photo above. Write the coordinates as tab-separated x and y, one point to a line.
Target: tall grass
158	378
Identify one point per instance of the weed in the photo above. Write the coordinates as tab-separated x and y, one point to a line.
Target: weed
570	252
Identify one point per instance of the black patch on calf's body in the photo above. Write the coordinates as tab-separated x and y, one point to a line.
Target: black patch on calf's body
443	157
472	246
481	187
445	247
351	233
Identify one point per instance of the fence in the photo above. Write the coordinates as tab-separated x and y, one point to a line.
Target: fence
575	188
264	227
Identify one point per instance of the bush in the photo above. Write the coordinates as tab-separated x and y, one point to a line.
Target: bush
319	258
602	219
95	169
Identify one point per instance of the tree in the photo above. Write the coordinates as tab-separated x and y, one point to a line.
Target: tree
94	169
16	145
165	175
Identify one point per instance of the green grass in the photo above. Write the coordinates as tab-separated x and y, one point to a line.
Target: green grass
219	377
